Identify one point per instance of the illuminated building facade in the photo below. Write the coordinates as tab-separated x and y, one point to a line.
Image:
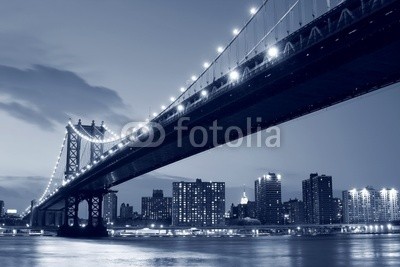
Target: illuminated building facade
293	212
268	195
157	207
369	205
198	203
110	207
317	198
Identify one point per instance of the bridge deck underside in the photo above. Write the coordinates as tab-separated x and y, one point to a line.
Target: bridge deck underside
329	72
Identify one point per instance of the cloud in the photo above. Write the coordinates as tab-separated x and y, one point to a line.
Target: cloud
18	191
44	96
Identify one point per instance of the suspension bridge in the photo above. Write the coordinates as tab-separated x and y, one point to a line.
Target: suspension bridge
291	58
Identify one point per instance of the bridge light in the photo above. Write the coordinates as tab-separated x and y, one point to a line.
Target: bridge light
273	52
193	78
172	99
155	114
163	107
204	93
253	11
206	65
236	31
180	107
234	75
120	145
220	49
182	89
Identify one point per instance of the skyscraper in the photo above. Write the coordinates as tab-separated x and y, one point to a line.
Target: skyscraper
157	207
110	206
198	203
2	208
125	212
317	198
246	209
268	195
389	205
369	205
337	210
293	212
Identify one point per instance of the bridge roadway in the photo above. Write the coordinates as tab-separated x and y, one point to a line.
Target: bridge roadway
350	60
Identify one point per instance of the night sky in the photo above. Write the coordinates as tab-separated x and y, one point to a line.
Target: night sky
115	60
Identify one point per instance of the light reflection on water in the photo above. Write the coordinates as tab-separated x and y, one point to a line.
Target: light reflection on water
326	251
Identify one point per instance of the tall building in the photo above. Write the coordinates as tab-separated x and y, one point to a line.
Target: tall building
126	212
317	198
246	209
389	205
157	207
293	212
2	213
268	195
337	210
198	203
369	205
110	206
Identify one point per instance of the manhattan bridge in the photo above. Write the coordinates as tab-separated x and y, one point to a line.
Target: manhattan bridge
291	58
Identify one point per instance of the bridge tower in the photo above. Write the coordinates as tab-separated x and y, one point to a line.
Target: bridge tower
94	199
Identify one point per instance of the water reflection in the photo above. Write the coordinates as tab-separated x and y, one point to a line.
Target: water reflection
352	250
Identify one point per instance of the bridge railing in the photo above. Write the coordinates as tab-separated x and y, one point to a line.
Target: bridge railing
324	26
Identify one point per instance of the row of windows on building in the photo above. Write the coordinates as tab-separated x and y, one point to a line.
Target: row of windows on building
369	205
192	204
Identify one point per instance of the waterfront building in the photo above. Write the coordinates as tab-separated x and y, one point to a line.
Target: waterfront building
369	205
157	207
246	209
317	198
268	195
337	210
110	206
2	213
198	203
293	212
126	212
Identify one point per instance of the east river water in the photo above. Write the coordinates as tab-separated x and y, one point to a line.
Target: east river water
326	251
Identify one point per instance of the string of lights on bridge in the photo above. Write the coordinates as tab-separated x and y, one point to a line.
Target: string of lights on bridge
234	75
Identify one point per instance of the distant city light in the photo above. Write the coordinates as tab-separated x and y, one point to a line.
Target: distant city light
11	211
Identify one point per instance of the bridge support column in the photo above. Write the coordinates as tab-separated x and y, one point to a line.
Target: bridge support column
95	227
